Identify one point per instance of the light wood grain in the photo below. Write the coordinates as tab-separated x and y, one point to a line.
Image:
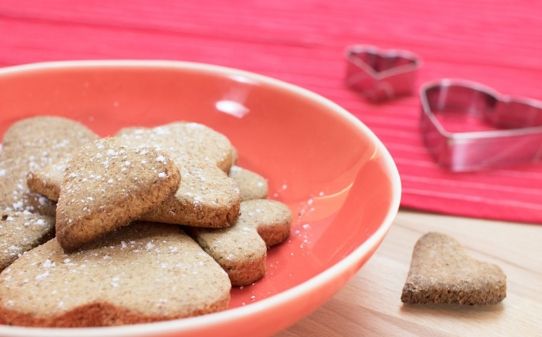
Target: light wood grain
369	305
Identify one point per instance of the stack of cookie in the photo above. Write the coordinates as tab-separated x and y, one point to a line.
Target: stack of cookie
152	224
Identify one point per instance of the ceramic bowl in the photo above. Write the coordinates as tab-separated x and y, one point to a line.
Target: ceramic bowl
336	176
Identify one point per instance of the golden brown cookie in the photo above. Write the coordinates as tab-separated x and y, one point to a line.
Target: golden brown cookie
22	231
140	273
207	197
442	272
241	249
32	144
107	185
251	185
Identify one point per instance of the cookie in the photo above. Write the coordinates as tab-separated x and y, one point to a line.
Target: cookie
22	231
107	185
251	185
442	272
187	141
241	249
207	197
32	144
140	273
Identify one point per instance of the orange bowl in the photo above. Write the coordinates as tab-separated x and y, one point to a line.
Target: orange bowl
338	179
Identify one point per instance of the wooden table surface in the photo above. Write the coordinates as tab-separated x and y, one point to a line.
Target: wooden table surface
369	305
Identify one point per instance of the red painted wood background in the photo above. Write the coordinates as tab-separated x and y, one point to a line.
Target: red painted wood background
496	42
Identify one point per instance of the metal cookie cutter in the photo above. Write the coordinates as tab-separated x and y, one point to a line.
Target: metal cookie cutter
514	126
381	74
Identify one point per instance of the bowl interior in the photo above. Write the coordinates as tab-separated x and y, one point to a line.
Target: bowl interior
332	176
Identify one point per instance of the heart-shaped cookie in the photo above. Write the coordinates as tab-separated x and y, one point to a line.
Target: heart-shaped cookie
207	197
381	74
32	144
141	273
107	185
511	130
242	248
442	272
251	184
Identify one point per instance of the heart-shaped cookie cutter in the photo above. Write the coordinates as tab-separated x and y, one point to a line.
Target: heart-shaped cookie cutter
516	139
381	74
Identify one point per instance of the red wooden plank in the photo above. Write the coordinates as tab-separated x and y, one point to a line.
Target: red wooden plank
494	42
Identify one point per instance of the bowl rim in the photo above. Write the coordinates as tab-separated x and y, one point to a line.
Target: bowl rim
196	323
